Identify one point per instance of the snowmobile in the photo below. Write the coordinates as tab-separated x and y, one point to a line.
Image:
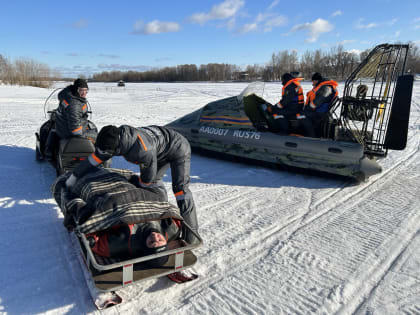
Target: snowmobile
368	120
105	275
65	154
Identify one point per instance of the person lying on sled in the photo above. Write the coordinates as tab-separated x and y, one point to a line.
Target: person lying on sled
104	203
136	240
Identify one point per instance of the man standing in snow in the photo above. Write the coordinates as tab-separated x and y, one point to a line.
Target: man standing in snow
154	149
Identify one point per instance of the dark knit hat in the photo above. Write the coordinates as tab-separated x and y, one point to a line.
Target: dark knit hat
108	138
317	76
80	83
157	262
286	77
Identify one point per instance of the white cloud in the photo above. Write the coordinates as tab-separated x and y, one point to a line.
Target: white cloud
273	4
337	13
109	56
155	27
276	21
416	21
265	21
315	29
222	11
346	41
397	34
392	22
354	51
250	27
360	25
231	24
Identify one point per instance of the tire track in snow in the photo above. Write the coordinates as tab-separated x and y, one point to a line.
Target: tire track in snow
344	224
391	290
291	230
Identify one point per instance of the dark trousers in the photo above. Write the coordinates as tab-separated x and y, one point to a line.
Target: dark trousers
180	172
311	123
281	124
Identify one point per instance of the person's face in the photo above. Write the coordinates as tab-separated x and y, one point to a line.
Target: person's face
314	82
82	92
155	240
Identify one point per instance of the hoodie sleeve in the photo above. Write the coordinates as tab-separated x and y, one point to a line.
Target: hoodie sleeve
95	159
148	169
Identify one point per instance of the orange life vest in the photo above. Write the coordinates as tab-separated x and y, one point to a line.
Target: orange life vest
299	100
310	96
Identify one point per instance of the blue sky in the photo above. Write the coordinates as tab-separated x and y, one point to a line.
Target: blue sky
90	36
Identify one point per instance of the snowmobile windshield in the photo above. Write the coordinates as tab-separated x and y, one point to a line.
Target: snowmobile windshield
256	88
51	102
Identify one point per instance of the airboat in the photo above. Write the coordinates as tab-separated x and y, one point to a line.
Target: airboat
369	119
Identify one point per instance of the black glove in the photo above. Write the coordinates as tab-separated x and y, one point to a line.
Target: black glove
134	179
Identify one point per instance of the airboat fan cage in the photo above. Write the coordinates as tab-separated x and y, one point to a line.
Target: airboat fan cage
368	97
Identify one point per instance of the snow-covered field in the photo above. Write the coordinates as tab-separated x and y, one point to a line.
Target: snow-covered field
275	242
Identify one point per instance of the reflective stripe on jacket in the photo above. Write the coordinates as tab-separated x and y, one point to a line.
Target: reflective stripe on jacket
71	114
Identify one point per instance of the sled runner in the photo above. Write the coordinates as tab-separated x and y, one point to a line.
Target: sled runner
117	204
369	119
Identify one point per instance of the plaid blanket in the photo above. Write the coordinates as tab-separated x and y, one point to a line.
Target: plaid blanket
107	197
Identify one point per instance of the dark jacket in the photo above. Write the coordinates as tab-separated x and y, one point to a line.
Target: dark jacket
128	241
321	96
149	147
292	95
71	114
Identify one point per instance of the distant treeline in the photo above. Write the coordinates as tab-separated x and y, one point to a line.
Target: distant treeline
336	64
25	72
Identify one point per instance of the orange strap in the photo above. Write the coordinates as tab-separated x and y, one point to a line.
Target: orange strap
96	158
77	129
142	142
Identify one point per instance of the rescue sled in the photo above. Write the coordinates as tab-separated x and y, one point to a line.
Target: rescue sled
67	153
368	120
107	275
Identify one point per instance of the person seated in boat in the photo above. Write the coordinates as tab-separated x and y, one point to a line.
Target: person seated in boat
136	240
71	116
318	103
291	103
